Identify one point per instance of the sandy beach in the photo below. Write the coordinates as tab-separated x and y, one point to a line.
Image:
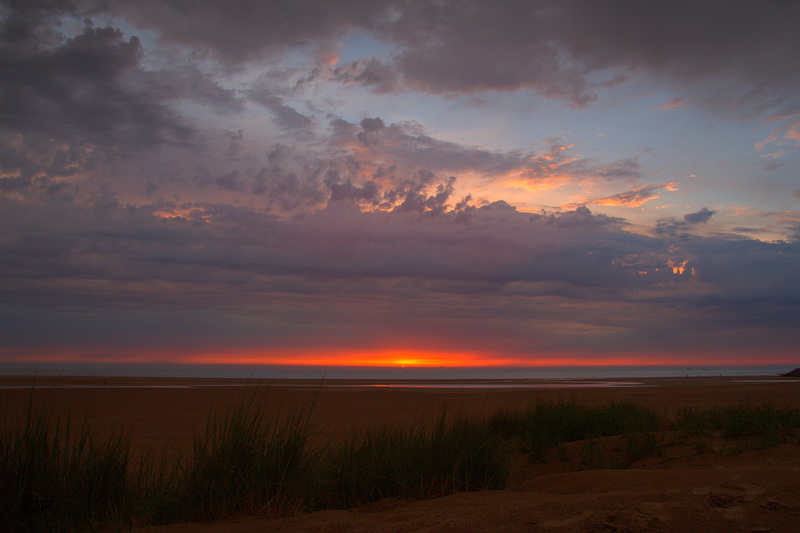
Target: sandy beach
717	487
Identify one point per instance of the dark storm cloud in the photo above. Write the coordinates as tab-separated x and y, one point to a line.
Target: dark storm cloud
73	104
701	217
189	83
250	28
74	90
569	50
457	47
557	47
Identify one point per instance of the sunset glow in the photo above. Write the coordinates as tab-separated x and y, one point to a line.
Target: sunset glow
390	359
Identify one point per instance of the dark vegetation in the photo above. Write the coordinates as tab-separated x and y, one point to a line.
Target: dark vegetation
248	462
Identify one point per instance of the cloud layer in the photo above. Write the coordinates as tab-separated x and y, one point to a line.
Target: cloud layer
261	177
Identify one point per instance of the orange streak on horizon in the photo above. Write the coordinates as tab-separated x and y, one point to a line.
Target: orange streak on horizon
404	358
380	358
383	358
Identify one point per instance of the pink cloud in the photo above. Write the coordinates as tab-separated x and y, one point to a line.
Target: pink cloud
675	103
636	196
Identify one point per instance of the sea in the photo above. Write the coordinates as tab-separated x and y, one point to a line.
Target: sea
437	374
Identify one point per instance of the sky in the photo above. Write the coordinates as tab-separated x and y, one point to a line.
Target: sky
400	182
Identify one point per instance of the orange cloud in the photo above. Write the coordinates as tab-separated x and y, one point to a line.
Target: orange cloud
636	196
675	103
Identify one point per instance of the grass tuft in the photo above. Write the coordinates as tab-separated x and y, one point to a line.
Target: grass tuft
546	425
246	463
451	455
768	424
55	479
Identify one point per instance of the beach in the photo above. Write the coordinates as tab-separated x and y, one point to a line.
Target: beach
722	485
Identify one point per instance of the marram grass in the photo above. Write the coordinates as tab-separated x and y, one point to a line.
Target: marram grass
247	462
55	479
546	425
766	423
253	461
451	455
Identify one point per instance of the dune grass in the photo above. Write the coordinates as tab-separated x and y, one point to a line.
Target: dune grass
246	462
546	425
767	424
422	461
54	479
251	460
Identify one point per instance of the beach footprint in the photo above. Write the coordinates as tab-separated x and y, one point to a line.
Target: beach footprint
731	499
641	518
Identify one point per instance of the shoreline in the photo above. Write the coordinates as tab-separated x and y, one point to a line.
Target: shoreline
696	482
89	381
304	373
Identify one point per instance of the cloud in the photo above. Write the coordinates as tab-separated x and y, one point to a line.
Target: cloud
680	228
367	193
250	30
701	217
285	189
286	117
335	243
407	145
450	278
675	103
406	148
229	182
186	82
636	196
370	72
558	49
671	227
467	49
150	202
74	91
567	50
72	105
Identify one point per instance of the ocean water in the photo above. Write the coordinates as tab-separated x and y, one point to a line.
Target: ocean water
439	374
